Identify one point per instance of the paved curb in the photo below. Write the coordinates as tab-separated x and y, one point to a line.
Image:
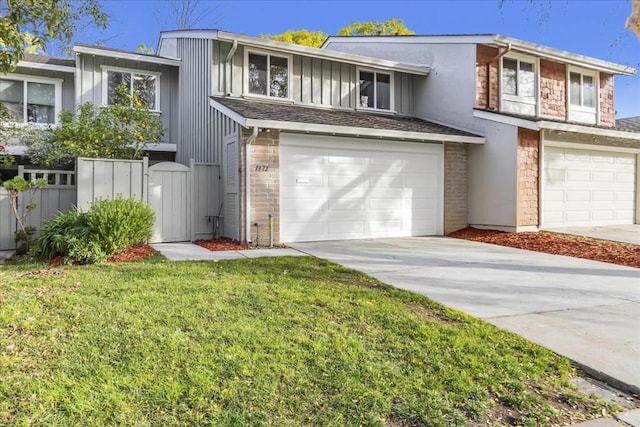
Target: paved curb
628	418
191	252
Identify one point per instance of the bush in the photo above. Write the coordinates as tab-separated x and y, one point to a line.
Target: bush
69	234
109	227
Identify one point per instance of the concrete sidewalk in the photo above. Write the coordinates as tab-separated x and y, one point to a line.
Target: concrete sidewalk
190	252
629	233
585	310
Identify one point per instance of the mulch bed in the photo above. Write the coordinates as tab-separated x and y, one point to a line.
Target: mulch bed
222	244
558	244
134	253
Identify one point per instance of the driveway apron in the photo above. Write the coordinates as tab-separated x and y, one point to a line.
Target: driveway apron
586	310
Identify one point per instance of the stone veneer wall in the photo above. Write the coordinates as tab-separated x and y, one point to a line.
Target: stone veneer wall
607	111
455	187
484	82
528	176
553	90
265	186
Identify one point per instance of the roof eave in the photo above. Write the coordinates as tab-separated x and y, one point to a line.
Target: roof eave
568	127
564	56
324	54
50	67
87	50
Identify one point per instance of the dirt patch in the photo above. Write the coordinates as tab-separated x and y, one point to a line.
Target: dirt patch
558	244
45	272
431	314
222	244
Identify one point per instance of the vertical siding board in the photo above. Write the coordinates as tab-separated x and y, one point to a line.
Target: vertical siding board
316	80
335	84
345	85
326	82
237	75
306	80
296	78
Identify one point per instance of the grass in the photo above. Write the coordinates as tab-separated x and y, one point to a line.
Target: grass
272	341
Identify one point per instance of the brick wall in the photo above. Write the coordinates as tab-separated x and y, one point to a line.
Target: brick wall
607	112
455	187
265	186
528	175
485	83
553	90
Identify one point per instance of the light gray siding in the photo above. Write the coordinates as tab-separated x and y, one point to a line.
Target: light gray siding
226	143
90	87
68	98
313	80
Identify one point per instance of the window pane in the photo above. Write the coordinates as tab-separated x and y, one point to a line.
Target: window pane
117	79
257	74
145	86
588	92
509	76
41	98
12	97
383	91
574	88
279	74
366	89
526	83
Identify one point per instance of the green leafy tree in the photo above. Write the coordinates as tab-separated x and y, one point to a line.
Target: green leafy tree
120	131
15	187
33	23
390	27
11	131
302	37
144	49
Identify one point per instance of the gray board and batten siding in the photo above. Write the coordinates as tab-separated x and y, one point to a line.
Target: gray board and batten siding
313	80
90	87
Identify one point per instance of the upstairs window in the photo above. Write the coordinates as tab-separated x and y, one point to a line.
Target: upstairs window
145	84
268	75
375	90
518	78
31	101
582	90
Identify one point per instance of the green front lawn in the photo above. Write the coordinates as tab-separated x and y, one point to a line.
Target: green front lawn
272	341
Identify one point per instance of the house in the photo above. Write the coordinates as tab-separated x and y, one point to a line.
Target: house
554	155
375	137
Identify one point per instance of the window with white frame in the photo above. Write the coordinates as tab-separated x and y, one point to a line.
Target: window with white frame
582	90
30	99
268	75
375	90
518	78
145	83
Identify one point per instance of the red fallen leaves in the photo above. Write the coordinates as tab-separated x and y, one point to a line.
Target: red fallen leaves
222	244
558	244
134	253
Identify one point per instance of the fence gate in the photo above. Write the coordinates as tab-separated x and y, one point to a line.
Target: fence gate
170	197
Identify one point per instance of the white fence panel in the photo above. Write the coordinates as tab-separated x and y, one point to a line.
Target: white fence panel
106	178
58	196
7	222
170	195
206	202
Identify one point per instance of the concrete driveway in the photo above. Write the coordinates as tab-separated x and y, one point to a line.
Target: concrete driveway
586	310
618	233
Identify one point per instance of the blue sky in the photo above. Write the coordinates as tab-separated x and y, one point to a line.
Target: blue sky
592	28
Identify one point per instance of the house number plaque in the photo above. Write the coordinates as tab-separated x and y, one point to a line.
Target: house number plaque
262	168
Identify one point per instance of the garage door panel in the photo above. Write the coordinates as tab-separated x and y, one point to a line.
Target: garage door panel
362	192
587	187
289	179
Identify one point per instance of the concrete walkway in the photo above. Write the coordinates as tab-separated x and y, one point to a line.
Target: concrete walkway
191	252
618	233
5	255
585	310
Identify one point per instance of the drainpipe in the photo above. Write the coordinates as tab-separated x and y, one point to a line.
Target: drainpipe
232	52
487	64
247	182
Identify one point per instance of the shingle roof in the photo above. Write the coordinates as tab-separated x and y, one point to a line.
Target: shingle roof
261	110
629	124
51	60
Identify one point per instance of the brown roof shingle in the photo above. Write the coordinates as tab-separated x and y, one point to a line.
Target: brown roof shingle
263	110
629	124
51	60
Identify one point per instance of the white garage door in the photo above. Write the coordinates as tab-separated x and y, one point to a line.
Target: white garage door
335	188
587	187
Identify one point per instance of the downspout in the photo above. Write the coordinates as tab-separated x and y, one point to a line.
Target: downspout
247	182
232	52
488	65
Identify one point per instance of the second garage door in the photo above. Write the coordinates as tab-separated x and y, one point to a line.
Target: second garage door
334	188
587	187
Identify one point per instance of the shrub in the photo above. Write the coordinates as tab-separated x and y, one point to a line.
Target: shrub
69	234
109	227
120	223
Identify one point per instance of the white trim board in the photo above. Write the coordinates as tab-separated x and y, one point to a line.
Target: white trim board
50	67
109	53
